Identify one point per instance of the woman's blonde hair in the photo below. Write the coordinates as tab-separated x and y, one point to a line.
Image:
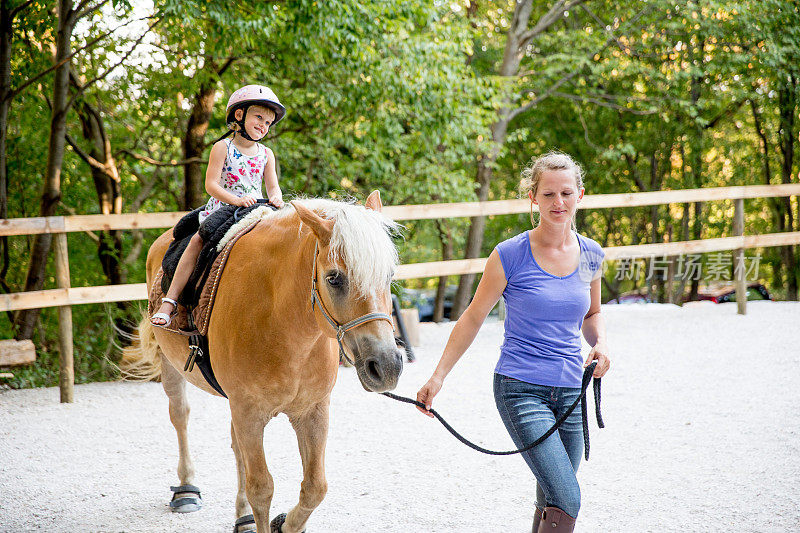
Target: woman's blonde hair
553	160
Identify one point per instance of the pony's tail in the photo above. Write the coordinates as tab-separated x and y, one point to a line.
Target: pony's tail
141	361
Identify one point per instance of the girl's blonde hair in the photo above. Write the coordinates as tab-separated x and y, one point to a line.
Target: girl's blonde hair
552	160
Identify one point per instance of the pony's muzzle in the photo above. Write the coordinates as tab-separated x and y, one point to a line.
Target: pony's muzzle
379	364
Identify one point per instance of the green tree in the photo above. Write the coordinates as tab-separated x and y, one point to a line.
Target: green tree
539	50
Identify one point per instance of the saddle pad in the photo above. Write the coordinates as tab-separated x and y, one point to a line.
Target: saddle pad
201	313
215	231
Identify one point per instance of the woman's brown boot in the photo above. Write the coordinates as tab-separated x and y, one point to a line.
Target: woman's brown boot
537	519
554	520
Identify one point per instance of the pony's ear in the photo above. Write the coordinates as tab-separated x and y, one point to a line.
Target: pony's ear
374	201
322	227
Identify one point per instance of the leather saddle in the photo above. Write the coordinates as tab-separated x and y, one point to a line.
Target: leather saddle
201	311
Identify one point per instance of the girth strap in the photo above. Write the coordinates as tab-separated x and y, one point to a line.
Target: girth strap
200	356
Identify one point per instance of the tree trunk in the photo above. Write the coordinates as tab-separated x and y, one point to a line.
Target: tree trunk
105	175
670	284
25	320
655	286
677	296
775	205
697	231
518	38
484	172
194	145
612	284
5	103
109	249
696	143
107	184
446	240
787	102
474	242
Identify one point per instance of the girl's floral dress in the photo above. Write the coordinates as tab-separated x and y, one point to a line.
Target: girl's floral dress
242	175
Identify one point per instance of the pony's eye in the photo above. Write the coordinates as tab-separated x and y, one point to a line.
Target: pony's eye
335	279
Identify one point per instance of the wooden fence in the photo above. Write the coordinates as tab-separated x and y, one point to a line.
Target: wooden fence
65	295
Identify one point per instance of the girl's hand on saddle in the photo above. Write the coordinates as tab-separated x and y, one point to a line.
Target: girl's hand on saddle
277	202
426	394
599	353
246	201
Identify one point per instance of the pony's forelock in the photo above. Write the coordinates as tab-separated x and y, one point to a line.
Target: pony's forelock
361	240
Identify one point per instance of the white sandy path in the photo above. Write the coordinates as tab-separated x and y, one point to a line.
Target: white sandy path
702	435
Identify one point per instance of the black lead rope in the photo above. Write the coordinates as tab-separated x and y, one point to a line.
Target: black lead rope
587	377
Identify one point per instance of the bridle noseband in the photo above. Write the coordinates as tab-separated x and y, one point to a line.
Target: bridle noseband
341	329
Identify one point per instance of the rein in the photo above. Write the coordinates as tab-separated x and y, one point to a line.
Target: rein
341	329
587	377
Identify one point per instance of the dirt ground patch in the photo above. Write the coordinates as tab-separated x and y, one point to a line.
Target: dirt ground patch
702	434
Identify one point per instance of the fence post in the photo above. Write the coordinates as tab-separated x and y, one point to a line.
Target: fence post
67	368
739	270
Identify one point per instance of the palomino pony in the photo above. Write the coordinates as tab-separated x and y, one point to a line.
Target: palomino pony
274	351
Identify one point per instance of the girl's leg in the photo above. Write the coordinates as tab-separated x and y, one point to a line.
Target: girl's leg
527	411
182	272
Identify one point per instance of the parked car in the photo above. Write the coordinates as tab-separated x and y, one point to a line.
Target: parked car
425	299
727	293
633	297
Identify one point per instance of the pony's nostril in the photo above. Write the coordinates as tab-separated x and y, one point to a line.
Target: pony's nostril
374	370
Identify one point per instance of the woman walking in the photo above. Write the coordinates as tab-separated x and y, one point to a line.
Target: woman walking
549	278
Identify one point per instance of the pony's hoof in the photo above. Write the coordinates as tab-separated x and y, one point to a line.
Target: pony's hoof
277	522
246	520
185	504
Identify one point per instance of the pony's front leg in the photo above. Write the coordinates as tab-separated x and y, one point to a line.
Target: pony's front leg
186	497
312	435
242	505
248	430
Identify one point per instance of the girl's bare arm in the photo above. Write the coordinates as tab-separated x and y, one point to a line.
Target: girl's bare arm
271	181
213	173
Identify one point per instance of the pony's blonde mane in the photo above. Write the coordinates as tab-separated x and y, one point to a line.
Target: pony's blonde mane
361	239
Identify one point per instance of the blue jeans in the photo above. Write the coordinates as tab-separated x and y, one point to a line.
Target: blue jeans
528	411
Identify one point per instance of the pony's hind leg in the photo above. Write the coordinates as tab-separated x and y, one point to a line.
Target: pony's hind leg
248	430
312	434
188	499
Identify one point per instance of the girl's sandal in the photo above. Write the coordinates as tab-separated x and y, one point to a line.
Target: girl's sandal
167	318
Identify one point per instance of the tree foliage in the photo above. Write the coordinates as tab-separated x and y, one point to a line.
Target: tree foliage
406	98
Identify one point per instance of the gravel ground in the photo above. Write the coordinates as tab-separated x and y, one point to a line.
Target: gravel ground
701	435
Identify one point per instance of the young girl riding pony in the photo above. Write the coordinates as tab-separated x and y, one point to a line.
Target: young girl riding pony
236	170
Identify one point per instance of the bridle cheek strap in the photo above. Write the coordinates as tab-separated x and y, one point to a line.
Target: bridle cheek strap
341	329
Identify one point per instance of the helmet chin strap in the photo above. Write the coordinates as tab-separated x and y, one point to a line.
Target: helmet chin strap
242	131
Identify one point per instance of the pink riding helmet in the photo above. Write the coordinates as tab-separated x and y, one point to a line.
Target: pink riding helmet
254	95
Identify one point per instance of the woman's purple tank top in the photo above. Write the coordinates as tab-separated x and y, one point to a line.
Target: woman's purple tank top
544	314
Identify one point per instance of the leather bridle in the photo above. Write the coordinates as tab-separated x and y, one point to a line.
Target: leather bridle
341	329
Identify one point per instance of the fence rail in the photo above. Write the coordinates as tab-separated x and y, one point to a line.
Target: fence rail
131	221
66	296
